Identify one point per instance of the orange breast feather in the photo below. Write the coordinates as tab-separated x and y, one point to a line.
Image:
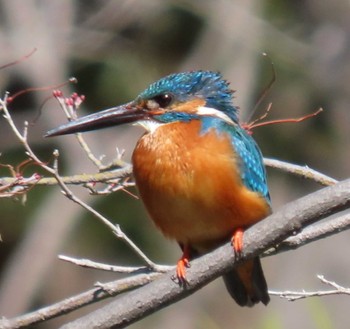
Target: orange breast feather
190	185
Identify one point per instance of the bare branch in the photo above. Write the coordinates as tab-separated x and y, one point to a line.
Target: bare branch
101	177
303	171
100	292
70	106
125	169
119	269
115	228
296	295
312	233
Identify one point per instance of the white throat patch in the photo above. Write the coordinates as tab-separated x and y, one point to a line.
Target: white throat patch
149	125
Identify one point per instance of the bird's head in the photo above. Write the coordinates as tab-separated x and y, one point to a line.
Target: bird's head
177	97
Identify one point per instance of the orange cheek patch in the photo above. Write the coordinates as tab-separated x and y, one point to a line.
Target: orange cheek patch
189	106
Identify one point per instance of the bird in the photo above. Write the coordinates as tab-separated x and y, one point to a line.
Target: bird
198	171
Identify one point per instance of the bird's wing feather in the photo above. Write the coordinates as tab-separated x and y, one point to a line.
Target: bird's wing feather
252	171
250	159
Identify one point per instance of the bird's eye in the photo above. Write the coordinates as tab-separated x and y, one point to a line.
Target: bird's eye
163	100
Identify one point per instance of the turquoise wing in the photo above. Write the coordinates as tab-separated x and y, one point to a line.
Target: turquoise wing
252	169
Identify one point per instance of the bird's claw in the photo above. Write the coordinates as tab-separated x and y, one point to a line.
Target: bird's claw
181	266
237	241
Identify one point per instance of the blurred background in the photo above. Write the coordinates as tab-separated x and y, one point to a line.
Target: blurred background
115	49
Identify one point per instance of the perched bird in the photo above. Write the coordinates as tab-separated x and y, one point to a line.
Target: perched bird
200	174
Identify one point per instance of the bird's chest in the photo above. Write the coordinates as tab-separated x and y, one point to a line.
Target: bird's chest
190	184
166	160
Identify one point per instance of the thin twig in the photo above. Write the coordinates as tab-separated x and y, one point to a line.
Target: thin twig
70	106
296	295
303	171
113	268
115	228
80	179
17	61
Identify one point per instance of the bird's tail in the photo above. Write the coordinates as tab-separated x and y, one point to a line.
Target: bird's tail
246	283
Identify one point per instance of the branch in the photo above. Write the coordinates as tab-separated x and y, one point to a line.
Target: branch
70	105
101	177
125	169
100	292
273	230
296	295
112	268
307	235
312	233
303	171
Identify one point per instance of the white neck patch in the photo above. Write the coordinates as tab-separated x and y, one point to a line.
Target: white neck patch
203	110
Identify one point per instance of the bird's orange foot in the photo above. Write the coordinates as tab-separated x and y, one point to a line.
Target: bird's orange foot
181	270
181	266
237	241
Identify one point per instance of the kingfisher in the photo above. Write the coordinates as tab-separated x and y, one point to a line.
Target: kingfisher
199	173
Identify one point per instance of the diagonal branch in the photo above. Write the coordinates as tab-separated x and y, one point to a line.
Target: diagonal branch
312	233
274	229
98	293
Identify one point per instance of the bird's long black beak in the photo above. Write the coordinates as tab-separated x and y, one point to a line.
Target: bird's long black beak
126	113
